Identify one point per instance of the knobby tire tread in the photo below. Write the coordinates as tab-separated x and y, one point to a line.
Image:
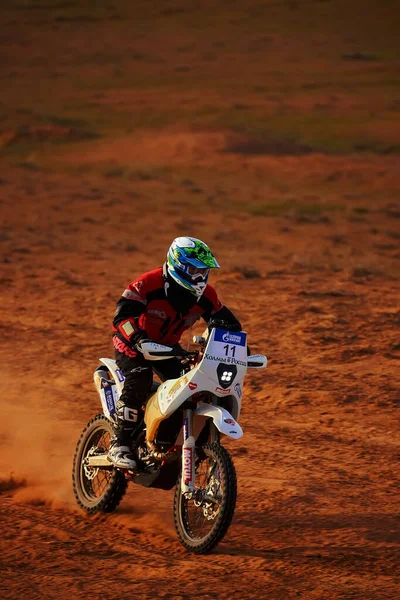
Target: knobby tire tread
117	486
227	508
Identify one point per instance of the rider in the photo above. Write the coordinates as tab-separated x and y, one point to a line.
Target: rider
159	306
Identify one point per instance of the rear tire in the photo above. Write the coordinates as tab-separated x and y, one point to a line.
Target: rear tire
202	522
96	489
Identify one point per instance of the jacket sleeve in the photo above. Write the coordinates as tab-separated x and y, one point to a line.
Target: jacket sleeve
225	318
215	311
130	306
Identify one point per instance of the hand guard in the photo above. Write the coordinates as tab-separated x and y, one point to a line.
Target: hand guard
138	338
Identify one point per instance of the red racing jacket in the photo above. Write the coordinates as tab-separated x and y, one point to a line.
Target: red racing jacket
144	308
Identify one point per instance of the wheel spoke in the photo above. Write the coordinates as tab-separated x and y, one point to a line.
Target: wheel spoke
196	521
202	520
95	486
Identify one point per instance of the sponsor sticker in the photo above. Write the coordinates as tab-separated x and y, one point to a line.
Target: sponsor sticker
177	386
185	429
222	391
109	399
225	360
127	327
187	465
158	313
228	337
131	295
130	414
120	376
238	390
192	386
139	369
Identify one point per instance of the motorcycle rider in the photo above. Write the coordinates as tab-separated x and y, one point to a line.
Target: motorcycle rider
159	306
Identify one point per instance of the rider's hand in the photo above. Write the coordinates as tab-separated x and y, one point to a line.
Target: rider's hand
138	338
182	352
138	345
223	324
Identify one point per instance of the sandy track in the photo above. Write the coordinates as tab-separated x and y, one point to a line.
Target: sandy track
317	513
115	126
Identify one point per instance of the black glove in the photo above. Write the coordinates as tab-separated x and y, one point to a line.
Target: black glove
180	351
136	340
221	324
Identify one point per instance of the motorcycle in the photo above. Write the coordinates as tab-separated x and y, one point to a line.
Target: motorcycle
178	441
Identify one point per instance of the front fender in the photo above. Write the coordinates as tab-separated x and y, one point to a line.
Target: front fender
223	420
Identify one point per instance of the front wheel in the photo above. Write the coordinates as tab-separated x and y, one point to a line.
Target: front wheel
202	518
95	488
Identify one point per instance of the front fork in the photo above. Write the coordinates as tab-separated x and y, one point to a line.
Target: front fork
188	453
188	450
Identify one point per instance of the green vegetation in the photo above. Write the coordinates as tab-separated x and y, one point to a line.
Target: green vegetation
294	207
312	76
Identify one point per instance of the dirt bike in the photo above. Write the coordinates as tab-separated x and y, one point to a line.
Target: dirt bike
178	441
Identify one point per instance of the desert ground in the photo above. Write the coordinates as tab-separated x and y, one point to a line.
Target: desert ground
271	131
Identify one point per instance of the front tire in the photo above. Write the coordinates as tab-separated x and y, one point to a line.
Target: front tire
96	489
203	520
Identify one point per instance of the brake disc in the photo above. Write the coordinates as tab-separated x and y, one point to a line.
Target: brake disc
91	472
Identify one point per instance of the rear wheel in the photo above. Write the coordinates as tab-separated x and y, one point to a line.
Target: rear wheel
202	520
96	489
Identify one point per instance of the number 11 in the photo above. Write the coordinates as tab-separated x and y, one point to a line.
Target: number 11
233	350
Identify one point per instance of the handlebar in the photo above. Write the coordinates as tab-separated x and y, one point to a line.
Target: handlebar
155	351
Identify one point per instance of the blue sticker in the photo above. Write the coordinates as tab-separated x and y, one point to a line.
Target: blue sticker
238	390
119	375
185	429
109	400
228	337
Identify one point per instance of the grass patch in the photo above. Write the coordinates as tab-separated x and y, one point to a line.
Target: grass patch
70	280
247	272
77	19
293	208
360	272
28	132
360	56
62	121
144	174
28	5
29	165
284	55
255	147
112	172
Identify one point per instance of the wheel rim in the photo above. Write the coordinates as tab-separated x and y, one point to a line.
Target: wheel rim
199	514
94	481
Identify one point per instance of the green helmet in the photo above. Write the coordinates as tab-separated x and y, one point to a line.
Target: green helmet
189	261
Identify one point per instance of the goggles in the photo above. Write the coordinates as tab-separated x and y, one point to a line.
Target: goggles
197	272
